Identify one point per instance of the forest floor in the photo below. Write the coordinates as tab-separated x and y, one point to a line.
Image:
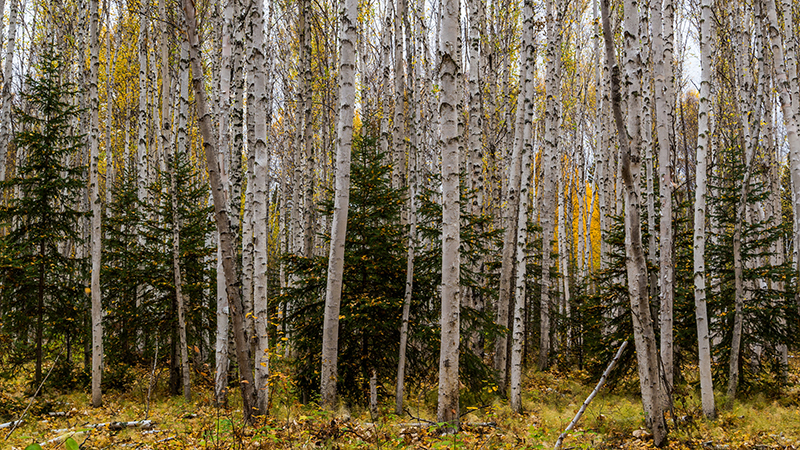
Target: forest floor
613	420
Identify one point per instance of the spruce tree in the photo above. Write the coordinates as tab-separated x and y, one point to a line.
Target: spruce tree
40	274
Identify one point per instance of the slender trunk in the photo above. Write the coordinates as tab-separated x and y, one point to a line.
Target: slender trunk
141	154
221	343
94	142
518	335
398	123
787	86
510	214
262	77
703	144
450	72
344	143
644	335
550	162
412	237
664	87
176	267
8	78
229	259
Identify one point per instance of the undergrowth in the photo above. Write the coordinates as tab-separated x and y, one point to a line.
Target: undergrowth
613	420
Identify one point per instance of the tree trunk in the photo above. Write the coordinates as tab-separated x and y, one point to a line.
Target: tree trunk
229	259
550	160
8	77
664	87
510	214
398	123
333	292
518	335
703	144
262	74
94	181
786	88
450	72
141	154
644	335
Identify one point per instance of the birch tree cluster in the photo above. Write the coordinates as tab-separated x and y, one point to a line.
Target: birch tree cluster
350	192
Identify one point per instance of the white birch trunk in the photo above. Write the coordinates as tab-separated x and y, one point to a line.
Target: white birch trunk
449	74
333	291
550	159
8	79
398	123
510	216
662	51
644	334
701	189
94	181
261	82
518	335
141	147
230	268
178	278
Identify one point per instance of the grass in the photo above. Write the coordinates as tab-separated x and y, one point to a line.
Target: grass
550	401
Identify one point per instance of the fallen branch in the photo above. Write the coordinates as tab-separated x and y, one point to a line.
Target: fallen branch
64	437
115	426
591	396
18	422
419	419
15	423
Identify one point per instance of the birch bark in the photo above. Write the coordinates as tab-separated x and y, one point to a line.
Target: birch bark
450	72
333	292
8	78
644	335
94	181
229	259
664	88
262	74
518	336
550	163
701	189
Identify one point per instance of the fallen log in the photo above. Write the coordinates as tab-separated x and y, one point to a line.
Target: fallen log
591	396
14	423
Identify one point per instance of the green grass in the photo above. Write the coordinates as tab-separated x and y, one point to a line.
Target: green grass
550	401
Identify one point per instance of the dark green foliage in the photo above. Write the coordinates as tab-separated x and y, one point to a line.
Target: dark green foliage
769	299
374	286
479	272
372	290
606	313
42	279
138	255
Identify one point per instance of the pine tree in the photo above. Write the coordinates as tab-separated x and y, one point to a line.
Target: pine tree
40	282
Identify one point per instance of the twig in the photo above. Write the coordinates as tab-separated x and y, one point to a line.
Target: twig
591	396
418	418
19	421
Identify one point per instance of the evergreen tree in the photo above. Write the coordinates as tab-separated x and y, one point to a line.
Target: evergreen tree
41	277
769	309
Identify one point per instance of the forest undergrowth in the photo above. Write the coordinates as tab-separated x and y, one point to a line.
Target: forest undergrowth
132	418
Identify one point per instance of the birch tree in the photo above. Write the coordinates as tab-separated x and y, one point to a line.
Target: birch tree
94	182
703	142
262	74
222	218
449	74
664	93
644	334
550	163
8	78
344	143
